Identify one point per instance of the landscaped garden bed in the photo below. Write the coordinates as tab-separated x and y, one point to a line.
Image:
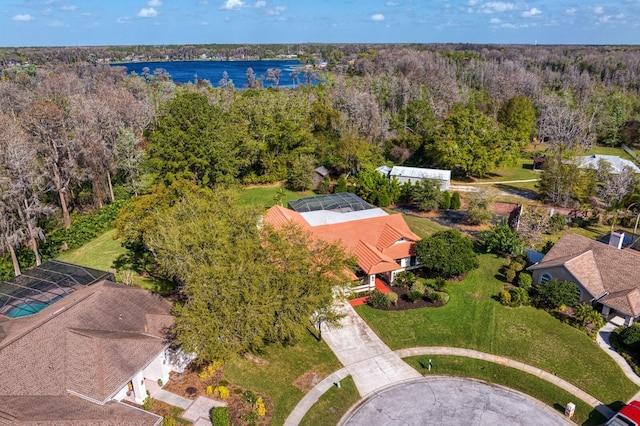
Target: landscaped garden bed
245	406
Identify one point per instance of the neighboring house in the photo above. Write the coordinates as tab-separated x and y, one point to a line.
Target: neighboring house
91	344
617	164
382	243
603	274
415	175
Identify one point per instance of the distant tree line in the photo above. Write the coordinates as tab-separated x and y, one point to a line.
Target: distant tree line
74	137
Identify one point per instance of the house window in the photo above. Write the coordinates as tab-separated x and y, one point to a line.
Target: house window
544	278
413	261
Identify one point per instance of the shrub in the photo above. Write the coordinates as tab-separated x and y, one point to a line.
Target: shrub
501	239
519	297
147	403
505	297
341	185
555	294
168	421
418	286
631	336
448	253
393	298
379	300
455	201
250	397
509	275
525	281
222	392
438	284
220	416
445	200
439	296
414	296
209	390
261	409
324	186
516	266
404	279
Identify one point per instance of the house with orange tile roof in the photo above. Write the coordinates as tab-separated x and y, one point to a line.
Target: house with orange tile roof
382	243
603	273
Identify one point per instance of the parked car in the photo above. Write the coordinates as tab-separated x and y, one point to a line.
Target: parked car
628	416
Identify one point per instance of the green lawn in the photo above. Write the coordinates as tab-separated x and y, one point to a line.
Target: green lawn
523	170
473	319
423	227
264	196
334	404
99	253
279	368
540	389
607	150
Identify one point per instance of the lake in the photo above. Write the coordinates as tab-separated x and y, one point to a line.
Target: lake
188	71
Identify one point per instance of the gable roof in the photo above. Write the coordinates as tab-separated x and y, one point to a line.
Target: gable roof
599	267
375	241
88	344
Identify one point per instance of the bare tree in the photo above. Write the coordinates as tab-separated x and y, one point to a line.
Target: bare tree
44	121
566	128
21	187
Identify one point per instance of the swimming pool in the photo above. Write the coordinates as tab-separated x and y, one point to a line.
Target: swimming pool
24	309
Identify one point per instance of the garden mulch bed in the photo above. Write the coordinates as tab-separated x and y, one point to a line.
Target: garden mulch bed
191	386
404	303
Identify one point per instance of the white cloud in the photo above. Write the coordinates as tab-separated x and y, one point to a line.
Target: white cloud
377	17
611	19
154	3
391	4
495	21
203	2
276	10
571	11
232	4
69	8
532	12
260	4
123	20
472	2
148	13
57	24
23	18
496	6
598	10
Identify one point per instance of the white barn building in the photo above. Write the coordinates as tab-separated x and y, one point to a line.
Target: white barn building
416	174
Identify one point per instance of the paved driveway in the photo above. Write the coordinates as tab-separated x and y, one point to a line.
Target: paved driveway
444	401
371	363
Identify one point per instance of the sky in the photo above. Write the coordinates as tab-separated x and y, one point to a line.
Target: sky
126	22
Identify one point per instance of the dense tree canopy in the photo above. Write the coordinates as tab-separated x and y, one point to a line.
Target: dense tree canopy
245	286
448	253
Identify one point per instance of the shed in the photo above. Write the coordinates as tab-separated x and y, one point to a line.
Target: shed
416	174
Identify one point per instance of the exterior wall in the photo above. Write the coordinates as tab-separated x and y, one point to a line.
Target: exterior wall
139	388
444	184
562	274
158	369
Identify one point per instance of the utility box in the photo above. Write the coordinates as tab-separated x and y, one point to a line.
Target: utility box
570	410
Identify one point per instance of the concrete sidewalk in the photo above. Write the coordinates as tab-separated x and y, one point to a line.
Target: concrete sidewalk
469	353
603	341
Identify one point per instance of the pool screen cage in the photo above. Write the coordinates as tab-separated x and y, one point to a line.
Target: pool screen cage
341	202
43	285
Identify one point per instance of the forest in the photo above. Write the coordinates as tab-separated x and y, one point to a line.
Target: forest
77	136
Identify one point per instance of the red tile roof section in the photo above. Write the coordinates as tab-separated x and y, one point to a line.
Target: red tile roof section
386	238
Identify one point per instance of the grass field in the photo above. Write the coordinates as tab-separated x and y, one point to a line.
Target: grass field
99	253
473	319
265	196
540	389
331	406
423	227
279	368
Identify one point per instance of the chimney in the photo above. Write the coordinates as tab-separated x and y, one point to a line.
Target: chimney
616	239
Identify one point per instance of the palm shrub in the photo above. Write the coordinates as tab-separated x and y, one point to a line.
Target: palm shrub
414	295
404	279
393	298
